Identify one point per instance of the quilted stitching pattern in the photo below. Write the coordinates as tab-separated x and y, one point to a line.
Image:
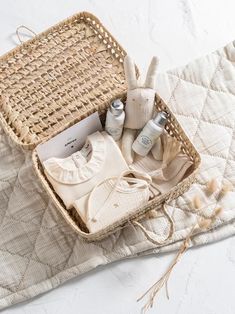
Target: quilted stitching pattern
38	250
203	100
36	244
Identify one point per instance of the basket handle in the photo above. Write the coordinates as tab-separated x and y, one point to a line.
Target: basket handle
18	33
151	236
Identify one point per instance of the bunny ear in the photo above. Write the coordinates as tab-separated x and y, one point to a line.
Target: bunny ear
151	74
129	68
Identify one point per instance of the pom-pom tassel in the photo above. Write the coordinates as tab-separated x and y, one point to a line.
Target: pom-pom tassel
196	202
211	187
224	190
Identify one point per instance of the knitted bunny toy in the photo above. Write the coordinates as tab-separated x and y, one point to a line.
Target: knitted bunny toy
139	104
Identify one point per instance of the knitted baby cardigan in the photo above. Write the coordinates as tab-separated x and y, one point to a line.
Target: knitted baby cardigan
112	199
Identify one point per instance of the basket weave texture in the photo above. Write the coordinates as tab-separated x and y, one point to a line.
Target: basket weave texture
60	77
175	130
73	68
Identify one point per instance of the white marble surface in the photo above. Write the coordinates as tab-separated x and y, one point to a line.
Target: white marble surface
177	31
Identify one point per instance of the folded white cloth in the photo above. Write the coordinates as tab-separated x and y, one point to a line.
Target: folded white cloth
76	175
163	179
113	199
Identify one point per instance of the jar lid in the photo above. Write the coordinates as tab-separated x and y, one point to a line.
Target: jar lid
116	107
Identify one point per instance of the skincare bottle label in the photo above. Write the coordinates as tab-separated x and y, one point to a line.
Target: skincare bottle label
145	141
114	132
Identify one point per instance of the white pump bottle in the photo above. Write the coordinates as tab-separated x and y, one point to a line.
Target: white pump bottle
115	119
151	131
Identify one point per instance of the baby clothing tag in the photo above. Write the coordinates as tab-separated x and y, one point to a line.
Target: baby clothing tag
70	140
86	151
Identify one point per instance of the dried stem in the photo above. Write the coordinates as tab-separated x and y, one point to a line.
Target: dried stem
156	287
202	224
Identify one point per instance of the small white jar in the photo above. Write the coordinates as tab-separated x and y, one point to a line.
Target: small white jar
149	134
115	119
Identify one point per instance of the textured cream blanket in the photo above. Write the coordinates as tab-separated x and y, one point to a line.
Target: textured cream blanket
39	251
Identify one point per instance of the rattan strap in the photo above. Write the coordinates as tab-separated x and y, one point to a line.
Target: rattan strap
25	28
151	236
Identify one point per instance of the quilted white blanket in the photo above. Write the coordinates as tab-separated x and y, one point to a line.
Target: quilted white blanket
39	251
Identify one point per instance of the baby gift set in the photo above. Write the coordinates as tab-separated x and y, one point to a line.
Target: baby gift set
114	175
107	150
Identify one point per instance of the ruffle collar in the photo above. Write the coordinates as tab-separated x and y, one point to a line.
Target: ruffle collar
75	169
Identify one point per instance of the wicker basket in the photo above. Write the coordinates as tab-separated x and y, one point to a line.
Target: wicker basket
57	79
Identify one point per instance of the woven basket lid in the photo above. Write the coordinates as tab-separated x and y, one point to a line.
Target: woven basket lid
60	76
